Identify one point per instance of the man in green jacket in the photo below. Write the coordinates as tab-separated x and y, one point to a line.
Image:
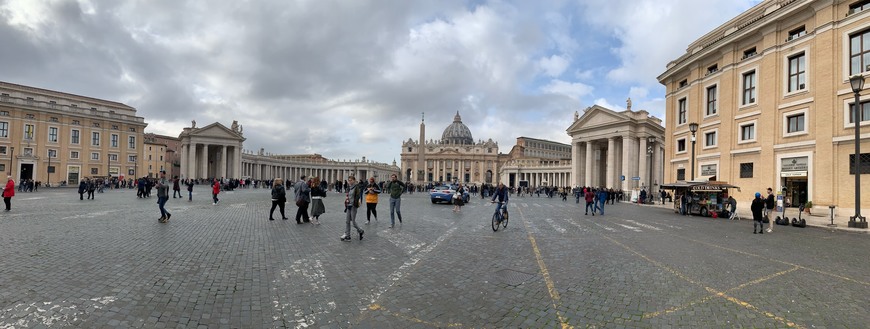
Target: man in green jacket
395	188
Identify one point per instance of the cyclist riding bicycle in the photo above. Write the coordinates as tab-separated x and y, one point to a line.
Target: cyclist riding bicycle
501	193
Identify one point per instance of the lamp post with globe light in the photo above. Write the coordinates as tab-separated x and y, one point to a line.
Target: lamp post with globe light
693	127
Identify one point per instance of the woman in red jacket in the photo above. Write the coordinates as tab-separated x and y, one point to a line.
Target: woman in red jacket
9	192
215	189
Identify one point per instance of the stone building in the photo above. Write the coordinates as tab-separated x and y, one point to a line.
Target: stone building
769	91
619	150
456	157
55	137
536	162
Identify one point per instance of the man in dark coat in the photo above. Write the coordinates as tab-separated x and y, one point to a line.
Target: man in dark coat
757	208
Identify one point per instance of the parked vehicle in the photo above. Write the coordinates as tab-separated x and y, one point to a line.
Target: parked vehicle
444	193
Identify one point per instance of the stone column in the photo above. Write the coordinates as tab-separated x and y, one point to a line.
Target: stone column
611	148
222	165
191	161
183	161
627	159
203	161
642	165
589	156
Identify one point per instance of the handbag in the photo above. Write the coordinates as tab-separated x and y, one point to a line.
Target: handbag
300	203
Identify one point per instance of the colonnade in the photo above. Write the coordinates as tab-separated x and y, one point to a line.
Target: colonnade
205	160
603	162
260	167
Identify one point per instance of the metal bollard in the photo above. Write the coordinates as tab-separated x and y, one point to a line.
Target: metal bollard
832	215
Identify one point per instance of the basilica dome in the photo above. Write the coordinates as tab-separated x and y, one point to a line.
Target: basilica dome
457	132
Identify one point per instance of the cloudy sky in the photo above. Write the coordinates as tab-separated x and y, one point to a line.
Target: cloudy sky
349	79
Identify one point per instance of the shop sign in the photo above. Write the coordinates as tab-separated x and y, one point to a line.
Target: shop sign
707	188
708	170
794	164
793	174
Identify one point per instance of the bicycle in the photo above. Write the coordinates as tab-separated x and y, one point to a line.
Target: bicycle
500	218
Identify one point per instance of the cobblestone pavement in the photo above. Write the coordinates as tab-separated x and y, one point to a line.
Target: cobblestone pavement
109	263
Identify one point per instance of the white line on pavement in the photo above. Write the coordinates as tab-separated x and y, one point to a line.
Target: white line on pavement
59	314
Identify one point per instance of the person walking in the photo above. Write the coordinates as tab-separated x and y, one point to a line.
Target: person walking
457	198
162	197
176	188
395	188
769	204
602	198
351	203
279	198
9	192
371	190
92	185
757	208
215	190
83	187
302	190
189	184
589	196
317	195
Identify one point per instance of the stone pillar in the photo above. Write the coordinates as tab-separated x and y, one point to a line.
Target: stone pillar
575	162
627	159
183	161
191	161
222	164
589	156
203	161
642	171
611	148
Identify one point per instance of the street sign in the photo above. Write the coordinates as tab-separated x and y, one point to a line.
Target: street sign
635	178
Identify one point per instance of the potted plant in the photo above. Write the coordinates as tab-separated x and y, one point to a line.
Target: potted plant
808	207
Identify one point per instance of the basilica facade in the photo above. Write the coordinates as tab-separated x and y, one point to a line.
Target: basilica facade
456	157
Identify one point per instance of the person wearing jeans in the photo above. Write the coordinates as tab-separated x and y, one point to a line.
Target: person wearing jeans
162	197
395	188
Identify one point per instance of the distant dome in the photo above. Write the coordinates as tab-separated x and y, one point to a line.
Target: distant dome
457	132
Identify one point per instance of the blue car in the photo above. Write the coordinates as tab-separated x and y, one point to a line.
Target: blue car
445	193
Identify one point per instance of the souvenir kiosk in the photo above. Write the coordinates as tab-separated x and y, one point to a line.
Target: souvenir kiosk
706	198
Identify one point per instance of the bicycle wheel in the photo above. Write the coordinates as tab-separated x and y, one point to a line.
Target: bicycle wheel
505	220
495	222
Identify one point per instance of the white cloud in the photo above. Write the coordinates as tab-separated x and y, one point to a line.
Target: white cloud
574	90
554	65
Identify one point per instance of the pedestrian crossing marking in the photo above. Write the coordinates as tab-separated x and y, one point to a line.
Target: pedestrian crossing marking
630	227
643	225
554	225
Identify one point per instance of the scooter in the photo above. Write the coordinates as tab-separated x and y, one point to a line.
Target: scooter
784	220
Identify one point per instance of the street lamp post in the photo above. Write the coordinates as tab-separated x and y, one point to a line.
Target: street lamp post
650	150
693	127
11	159
857	82
48	169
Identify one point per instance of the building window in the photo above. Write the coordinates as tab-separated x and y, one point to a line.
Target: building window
77	122
797	72
95	124
711	100
795	123
858	6
131	142
749	53
52	153
28	131
713	69
114	140
132	130
28	151
681	111
30	116
74	136
746	170
681	174
95	138
865	113
52	134
113	157
95	156
53	119
3	149
114	127
684	83
94	171
859	52
74	154
749	87
710	139
747	132
865	163
796	33
131	158
4	129
4	113
681	145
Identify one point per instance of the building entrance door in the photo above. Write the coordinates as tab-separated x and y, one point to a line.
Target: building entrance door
796	191
26	172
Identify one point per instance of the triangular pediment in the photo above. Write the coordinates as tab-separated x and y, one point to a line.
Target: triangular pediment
598	116
216	130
